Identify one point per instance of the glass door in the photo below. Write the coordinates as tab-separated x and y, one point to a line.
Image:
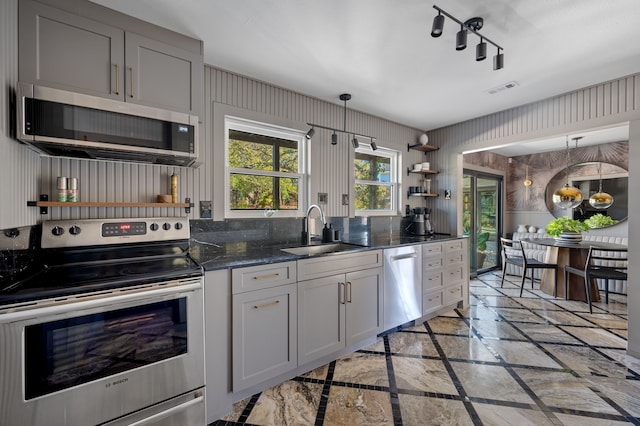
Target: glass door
482	219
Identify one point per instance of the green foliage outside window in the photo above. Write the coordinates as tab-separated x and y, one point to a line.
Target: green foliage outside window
373	190
272	158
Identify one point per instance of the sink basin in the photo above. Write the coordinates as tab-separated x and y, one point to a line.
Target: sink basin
321	249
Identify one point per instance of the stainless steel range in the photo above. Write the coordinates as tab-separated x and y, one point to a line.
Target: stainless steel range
107	330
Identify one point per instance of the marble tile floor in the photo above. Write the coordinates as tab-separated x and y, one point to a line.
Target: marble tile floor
504	360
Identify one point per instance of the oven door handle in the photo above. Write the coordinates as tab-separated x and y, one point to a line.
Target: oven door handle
166	413
97	300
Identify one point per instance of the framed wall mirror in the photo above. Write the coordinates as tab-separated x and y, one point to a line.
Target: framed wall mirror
587	177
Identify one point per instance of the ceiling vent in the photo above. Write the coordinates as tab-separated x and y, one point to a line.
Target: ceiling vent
505	86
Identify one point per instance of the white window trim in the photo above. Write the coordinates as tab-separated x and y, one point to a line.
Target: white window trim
395	179
251	126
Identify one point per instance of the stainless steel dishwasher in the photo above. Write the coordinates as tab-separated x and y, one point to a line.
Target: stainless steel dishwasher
402	285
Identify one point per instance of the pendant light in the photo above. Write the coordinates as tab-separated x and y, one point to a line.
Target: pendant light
568	197
600	200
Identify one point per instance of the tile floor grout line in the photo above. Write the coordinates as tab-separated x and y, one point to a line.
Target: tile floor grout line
475	418
393	387
324	396
596	348
558	361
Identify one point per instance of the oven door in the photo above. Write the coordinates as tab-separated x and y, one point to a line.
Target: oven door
94	359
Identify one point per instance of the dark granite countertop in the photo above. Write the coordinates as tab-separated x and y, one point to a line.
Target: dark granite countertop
251	253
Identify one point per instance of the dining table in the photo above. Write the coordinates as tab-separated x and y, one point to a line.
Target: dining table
573	254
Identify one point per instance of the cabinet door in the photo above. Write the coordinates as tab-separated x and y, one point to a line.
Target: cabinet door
162	76
264	335
364	304
321	322
65	51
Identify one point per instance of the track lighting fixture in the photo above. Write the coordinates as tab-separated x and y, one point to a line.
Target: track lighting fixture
472	25
461	38
481	50
498	61
310	133
438	25
334	137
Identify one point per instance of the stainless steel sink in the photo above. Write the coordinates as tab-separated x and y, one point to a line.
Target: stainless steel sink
321	249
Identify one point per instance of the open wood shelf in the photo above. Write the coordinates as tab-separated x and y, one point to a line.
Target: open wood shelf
423	148
44	204
424	172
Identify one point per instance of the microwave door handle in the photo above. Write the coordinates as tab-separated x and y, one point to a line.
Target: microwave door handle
166	413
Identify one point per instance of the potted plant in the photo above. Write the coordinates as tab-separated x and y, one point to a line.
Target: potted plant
481	244
599	221
567	229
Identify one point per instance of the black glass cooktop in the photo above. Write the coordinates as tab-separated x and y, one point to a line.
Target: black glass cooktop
71	272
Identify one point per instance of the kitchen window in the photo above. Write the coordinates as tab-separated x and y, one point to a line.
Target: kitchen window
265	169
376	181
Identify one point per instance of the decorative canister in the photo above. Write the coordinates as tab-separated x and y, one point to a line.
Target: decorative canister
72	192
522	228
61	184
533	229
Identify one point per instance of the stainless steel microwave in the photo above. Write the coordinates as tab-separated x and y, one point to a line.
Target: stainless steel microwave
61	123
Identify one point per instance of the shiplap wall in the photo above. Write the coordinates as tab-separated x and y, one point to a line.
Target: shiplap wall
19	166
605	104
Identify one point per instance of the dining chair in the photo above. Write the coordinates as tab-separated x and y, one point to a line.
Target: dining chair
513	253
609	264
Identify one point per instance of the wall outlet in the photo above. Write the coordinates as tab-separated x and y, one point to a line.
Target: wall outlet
345	199
322	197
205	209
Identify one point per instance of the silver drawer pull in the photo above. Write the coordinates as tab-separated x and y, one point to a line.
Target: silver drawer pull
265	277
266	305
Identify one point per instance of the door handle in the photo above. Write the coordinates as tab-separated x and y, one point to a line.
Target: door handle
117	79
131	81
349	292
404	256
343	293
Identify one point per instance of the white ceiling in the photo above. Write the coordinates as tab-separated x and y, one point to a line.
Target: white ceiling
382	53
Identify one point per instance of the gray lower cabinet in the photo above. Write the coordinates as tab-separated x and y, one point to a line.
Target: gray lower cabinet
264	323
445	274
339	310
63	50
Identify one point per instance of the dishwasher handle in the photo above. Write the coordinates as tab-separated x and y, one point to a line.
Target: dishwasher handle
403	256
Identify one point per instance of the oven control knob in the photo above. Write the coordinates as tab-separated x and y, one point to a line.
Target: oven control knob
166	226
74	230
178	225
57	230
154	226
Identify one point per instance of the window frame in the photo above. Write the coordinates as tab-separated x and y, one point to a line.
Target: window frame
270	130
395	179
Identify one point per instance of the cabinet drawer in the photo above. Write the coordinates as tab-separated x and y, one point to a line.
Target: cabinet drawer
454	245
454	258
453	294
431	263
454	274
341	263
431	302
263	276
431	280
431	250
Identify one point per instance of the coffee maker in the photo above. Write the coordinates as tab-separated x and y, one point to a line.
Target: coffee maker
416	227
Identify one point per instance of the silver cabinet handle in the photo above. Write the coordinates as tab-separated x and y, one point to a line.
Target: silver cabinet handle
343	293
131	81
266	305
349	292
264	277
117	79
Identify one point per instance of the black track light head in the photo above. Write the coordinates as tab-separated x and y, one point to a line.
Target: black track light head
373	145
498	61
334	138
438	25
481	50
355	142
461	39
310	133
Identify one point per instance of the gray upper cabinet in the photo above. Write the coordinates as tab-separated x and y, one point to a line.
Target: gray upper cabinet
66	51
